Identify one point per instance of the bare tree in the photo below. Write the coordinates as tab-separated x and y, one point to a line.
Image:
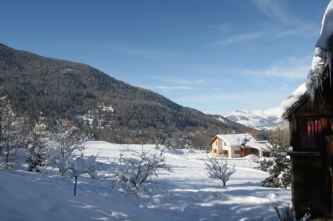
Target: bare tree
9	133
64	144
219	170
137	175
199	138
82	165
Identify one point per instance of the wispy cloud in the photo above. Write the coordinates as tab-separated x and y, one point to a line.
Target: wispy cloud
171	88
181	81
240	38
274	9
287	25
150	54
298	29
226	27
289	69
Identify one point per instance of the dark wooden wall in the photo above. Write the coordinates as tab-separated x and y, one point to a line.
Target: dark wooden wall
311	184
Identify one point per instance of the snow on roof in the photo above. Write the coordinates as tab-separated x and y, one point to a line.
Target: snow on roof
292	100
259	146
234	139
326	29
243	140
321	56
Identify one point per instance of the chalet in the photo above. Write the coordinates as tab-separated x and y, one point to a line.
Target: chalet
238	145
309	111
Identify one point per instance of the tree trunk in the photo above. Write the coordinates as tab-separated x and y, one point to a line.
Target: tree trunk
7	157
75	186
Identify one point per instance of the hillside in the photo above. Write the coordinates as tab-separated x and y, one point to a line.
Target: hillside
64	89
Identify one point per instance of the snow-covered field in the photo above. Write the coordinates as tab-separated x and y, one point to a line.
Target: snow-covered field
188	194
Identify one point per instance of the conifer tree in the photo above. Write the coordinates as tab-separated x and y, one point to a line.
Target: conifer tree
36	149
278	166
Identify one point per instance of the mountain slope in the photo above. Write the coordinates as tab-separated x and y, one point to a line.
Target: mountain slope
260	120
64	89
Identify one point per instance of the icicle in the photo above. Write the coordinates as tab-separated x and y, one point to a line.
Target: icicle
314	80
329	62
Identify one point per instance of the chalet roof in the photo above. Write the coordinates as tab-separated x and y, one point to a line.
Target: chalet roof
243	140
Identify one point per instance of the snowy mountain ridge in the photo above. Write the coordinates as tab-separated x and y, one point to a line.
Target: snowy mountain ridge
257	119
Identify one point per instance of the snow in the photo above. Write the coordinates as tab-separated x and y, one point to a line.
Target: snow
293	99
188	194
257	119
221	119
327	28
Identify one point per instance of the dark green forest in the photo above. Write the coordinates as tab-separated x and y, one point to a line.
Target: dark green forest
59	89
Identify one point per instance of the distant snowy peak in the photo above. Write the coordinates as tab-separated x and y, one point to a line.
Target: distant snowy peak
257	119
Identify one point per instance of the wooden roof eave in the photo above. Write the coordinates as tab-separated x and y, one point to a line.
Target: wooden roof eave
288	113
210	143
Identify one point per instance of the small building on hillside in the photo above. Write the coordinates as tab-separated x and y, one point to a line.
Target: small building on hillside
238	145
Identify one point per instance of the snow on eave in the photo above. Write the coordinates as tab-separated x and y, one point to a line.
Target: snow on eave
293	100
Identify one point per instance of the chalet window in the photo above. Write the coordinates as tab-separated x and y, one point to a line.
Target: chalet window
225	144
236	151
310	133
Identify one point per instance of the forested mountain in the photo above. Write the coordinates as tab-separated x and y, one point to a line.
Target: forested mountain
64	89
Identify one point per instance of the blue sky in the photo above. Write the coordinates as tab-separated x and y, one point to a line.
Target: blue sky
214	56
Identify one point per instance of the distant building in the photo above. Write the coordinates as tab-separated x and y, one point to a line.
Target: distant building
239	145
